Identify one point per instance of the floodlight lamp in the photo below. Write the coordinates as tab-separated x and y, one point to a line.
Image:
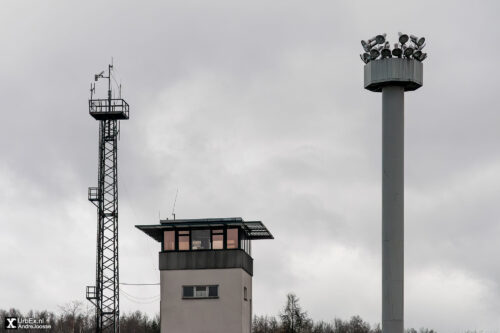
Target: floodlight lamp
368	44
407	51
365	57
364	44
397	52
380	38
403	38
422	57
386	51
374	53
420	47
417	54
418	41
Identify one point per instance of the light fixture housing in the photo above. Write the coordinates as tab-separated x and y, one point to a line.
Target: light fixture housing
408	51
421	57
421	46
380	38
374	53
396	51
403	38
386	51
419	41
365	57
364	44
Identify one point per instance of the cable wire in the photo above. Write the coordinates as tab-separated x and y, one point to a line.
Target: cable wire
139	298
140	302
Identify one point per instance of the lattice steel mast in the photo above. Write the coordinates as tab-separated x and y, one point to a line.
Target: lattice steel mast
105	294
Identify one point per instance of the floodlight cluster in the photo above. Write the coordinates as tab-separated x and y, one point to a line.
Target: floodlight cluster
378	47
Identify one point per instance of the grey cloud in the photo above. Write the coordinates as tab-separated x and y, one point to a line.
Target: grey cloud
254	110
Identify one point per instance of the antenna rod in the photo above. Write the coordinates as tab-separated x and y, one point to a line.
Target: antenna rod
109	85
175	200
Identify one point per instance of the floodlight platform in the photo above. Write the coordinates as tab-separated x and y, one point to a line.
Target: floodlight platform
108	109
403	72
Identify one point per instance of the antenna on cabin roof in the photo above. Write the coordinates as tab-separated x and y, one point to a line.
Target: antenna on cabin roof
92	90
175	200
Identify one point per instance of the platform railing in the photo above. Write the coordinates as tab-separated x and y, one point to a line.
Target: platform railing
102	106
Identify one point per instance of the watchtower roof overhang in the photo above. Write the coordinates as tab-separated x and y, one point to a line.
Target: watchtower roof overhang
253	229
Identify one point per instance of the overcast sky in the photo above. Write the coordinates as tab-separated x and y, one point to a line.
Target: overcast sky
254	109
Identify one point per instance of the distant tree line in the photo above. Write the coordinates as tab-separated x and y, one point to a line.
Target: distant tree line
72	318
292	319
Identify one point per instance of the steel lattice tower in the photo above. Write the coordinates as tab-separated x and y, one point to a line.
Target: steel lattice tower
105	294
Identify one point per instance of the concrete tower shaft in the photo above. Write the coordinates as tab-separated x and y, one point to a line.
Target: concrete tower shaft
393	208
392	77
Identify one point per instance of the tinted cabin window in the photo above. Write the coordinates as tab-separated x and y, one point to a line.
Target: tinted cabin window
232	238
218	239
183	240
169	240
200	239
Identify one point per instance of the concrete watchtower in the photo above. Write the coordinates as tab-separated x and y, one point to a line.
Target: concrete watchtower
393	72
206	273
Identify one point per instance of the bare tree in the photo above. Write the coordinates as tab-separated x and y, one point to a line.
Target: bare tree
293	319
71	312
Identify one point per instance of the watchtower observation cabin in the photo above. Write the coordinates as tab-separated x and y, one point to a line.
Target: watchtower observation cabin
206	271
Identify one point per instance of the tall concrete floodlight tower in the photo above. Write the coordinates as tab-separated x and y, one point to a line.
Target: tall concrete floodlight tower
104	295
393	72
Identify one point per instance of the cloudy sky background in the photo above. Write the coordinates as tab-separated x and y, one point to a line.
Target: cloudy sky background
254	109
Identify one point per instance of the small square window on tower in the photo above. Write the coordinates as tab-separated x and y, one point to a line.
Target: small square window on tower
187	291
213	291
200	291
